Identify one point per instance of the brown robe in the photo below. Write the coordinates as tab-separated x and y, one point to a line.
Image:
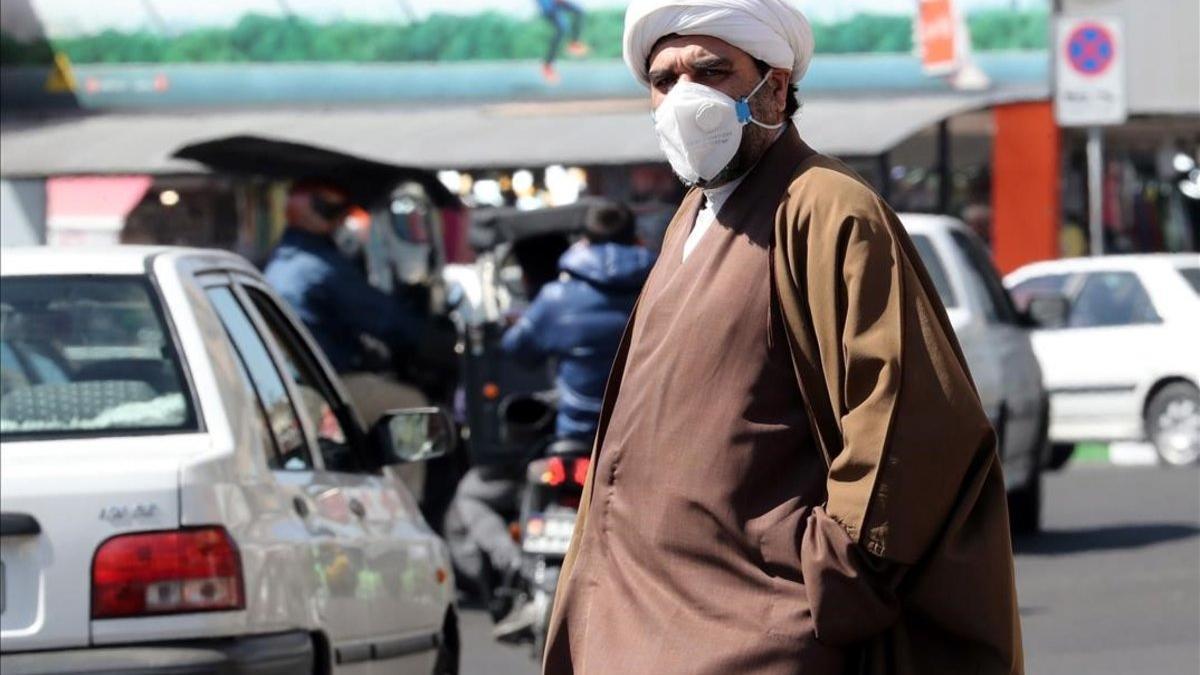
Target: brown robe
792	473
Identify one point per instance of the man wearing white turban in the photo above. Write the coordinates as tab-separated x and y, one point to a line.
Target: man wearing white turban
792	471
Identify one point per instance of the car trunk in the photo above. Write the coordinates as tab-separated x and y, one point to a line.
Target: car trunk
61	499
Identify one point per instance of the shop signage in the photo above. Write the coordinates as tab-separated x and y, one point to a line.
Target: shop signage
1089	72
938	36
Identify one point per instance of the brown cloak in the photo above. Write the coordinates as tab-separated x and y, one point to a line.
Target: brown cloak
903	558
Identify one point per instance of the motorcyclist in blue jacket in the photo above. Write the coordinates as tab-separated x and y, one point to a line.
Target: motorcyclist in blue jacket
328	293
578	319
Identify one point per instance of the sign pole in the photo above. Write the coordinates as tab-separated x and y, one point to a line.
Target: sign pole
1089	92
1095	180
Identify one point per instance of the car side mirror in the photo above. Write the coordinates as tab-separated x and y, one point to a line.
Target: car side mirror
414	435
1048	310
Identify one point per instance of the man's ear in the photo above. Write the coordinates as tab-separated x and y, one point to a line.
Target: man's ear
781	87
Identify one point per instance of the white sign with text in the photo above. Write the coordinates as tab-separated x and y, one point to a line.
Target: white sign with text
1089	72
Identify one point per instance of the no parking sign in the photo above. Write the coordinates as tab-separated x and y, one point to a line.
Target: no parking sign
1089	72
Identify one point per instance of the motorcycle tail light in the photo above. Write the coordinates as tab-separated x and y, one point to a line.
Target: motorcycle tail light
191	570
580	471
555	472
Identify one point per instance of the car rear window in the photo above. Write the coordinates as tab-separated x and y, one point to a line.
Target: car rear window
1192	276
937	272
87	356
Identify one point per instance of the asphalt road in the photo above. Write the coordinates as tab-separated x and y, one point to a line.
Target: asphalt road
1112	586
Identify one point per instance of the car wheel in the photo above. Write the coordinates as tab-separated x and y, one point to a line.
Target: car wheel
1025	503
1060	454
448	648
1173	424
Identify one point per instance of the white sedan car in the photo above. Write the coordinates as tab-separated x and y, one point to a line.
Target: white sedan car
1123	361
185	487
995	341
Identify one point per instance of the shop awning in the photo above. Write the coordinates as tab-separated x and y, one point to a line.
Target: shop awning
91	209
480	137
104	197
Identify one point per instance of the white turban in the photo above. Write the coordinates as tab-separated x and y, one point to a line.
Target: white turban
772	31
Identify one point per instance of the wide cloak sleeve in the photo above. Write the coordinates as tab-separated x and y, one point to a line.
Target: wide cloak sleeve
910	558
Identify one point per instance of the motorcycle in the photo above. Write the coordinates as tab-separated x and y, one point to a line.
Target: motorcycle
549	506
509	421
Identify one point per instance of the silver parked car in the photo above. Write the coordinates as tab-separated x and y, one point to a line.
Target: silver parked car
186	487
995	340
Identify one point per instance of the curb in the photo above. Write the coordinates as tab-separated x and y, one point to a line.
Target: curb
1117	454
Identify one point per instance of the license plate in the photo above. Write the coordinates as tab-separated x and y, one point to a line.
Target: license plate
549	534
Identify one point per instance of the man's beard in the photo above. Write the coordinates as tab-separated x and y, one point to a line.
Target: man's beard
755	142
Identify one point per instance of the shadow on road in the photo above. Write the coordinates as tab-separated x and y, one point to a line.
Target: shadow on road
1105	538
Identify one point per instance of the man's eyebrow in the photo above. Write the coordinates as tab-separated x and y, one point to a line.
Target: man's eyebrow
660	72
702	63
711	62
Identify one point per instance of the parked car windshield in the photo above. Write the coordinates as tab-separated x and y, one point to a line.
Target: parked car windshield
1051	284
997	306
87	356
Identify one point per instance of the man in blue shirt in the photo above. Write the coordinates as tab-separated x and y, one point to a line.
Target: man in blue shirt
566	18
329	294
578	319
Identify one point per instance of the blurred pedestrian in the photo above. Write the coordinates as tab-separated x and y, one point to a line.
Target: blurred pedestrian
566	18
482	549
793	472
578	319
331	296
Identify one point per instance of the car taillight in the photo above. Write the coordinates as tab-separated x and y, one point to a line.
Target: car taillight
192	570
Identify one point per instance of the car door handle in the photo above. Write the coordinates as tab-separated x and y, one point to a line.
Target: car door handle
301	506
357	508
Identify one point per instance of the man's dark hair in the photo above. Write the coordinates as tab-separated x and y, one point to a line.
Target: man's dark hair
793	96
610	223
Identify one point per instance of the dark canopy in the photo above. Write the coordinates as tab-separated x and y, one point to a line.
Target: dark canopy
367	181
491	227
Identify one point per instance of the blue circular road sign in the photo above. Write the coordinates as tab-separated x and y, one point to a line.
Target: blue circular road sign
1091	49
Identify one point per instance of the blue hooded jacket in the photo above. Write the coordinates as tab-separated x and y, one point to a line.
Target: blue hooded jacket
335	301
578	320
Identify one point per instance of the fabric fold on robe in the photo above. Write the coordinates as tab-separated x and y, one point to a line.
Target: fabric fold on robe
852	593
914	481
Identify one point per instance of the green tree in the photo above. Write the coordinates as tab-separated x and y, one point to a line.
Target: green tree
487	36
1000	30
865	33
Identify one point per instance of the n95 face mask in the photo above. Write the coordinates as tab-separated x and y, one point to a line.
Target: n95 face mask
700	129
